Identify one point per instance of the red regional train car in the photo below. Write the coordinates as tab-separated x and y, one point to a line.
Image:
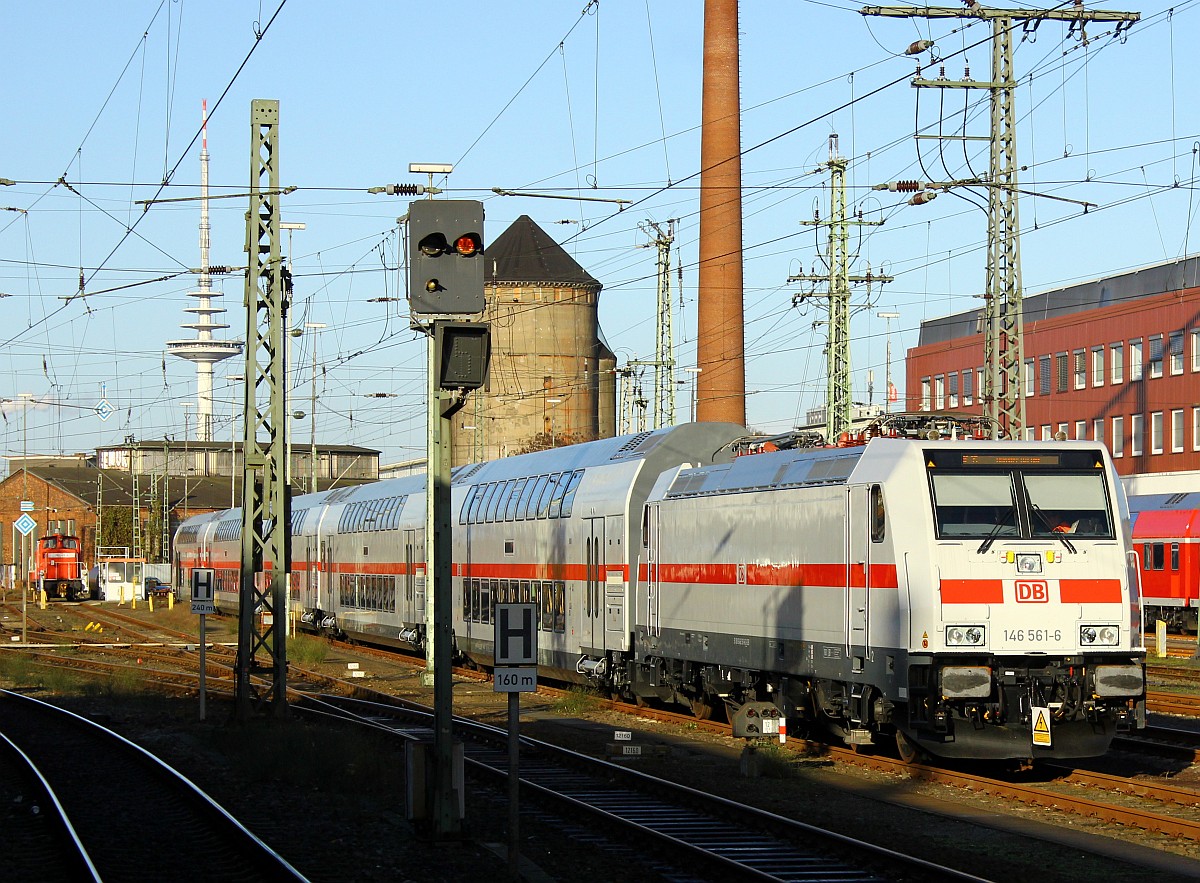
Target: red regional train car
1166	539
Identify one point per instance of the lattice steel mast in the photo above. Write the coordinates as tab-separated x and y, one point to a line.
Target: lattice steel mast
838	394
266	503
1004	338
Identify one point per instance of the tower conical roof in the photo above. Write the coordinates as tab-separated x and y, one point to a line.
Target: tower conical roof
524	254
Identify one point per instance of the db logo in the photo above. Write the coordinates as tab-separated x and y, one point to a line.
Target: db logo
1032	591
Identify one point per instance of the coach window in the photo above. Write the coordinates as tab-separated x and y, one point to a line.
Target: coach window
543	502
495	509
464	516
526	508
1174	556
1158	556
569	496
877	514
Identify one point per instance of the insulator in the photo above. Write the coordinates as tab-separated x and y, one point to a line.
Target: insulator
905	186
918	47
923	197
404	189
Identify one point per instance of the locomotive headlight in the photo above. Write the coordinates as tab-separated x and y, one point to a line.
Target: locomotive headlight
1029	563
1099	635
965	635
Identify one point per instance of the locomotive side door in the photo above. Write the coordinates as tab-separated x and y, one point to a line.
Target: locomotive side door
858	574
591	610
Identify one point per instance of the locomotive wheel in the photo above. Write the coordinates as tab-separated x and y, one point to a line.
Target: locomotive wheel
909	751
702	709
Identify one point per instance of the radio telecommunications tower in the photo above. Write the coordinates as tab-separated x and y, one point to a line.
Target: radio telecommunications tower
204	349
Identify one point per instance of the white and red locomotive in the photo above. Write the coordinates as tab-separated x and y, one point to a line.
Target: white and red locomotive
905	588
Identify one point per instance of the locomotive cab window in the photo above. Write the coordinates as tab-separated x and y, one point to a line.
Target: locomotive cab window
1027	496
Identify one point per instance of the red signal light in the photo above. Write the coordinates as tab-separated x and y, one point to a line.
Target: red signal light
467	244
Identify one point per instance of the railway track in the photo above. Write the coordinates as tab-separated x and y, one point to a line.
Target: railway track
75	830
717	836
1058	794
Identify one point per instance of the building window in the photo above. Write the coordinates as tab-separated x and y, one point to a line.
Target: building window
1081	430
1118	437
1097	366
1135	435
1044	375
924	393
1029	433
1060	373
1046	432
1062	432
1177	431
968	395
1196	428
1156	356
1029	378
1098	429
1176	352
1196	349
952	400
979	377
1135	359
1156	432
939	392
1117	353
1079	357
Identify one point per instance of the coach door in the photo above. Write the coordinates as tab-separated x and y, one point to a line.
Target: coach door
412	605
330	579
653	624
591	632
858	570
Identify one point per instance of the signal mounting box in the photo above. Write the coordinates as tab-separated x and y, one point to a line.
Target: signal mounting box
445	265
462	351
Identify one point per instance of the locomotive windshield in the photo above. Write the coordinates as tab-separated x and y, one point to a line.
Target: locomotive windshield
1033	501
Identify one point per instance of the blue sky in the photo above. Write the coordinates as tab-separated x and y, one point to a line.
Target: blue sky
552	97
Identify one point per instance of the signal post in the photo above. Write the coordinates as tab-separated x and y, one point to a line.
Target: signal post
445	287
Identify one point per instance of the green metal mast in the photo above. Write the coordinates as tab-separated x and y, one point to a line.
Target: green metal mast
1004	339
838	394
266	522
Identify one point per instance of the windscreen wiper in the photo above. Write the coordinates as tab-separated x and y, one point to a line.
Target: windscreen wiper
1037	510
1001	520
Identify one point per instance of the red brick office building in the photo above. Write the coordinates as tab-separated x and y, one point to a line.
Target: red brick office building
1115	359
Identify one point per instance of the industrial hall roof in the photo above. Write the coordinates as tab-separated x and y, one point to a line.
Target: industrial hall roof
196	494
524	254
1174	275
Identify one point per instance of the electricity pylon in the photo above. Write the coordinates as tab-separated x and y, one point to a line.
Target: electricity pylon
837	296
1004	338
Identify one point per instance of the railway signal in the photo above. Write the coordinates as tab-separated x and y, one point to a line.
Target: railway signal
445	257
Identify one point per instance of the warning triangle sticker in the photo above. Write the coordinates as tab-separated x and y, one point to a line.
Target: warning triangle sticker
1041	727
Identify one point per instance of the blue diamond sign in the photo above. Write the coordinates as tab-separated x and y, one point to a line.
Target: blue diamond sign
25	524
104	410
